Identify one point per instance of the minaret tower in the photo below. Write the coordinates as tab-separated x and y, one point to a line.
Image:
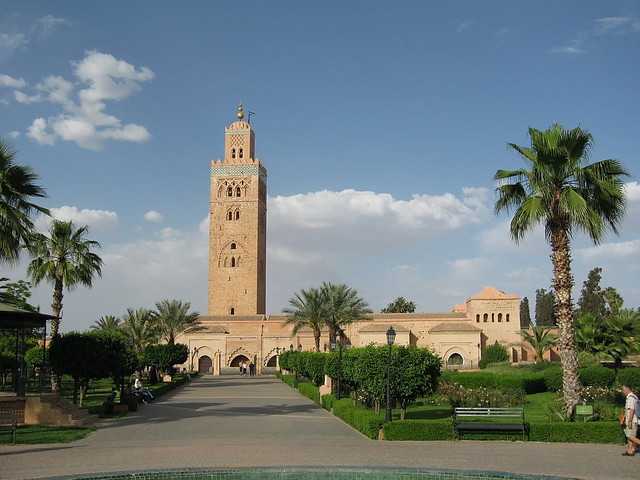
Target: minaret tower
238	226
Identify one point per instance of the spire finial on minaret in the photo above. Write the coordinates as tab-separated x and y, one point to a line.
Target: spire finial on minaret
240	114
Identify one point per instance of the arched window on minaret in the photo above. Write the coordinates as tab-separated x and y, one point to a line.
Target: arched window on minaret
233	311
499	317
507	317
230	215
233	153
237	214
238	191
233	261
240	153
233	246
229	192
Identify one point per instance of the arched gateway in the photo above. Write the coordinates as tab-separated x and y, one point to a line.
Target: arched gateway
205	365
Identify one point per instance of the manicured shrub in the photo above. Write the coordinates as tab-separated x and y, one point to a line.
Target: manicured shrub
495	353
360	418
471	379
575	432
289	380
418	430
597	376
553	379
309	390
472	397
630	376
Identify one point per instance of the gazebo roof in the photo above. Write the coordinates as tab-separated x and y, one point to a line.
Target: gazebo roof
12	317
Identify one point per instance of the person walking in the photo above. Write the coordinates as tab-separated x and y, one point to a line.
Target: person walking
630	420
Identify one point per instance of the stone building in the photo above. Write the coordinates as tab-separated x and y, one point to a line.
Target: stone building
237	329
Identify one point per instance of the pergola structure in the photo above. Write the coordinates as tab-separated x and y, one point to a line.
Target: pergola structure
18	320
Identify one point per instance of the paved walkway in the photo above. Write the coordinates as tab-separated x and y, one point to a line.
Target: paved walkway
229	421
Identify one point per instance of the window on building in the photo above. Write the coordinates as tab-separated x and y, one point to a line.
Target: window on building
233	262
477	318
237	191
237	214
485	317
240	153
506	317
233	153
499	317
229	192
230	216
233	246
493	317
233	311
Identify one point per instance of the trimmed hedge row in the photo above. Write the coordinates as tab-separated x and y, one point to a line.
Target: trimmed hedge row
362	419
630	376
530	384
309	390
570	432
162	388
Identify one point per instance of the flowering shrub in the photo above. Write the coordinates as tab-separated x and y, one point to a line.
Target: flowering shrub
599	394
458	395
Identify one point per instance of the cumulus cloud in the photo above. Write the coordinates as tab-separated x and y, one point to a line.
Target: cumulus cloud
83	119
97	220
153	216
14	134
7	81
622	250
10	43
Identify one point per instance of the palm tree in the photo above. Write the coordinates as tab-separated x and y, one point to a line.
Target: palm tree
618	340
540	339
307	310
138	325
108	323
17	186
173	318
343	307
64	258
567	195
399	305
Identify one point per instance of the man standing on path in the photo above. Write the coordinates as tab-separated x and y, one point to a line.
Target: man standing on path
630	420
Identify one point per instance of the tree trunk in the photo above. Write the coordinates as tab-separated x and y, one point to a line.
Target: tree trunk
377	408
316	337
56	308
562	284
75	390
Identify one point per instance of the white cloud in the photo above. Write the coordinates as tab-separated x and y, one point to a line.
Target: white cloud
47	23
610	25
10	43
153	216
170	234
574	50
622	250
85	122
7	81
97	220
632	190
466	24
14	134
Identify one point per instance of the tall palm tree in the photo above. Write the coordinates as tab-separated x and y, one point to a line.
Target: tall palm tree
343	306
173	318
17	187
108	323
567	195
400	305
307	311
540	339
64	258
138	325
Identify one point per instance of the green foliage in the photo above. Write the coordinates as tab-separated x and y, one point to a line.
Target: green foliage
553	379
592	300
415	374
327	401
163	357
172	318
417	430
309	390
107	323
35	357
529	384
495	353
545	308
285	360
541	340
630	376
312	364
597	376
307	310
525	314
472	397
17	294
360	418
42	434
400	305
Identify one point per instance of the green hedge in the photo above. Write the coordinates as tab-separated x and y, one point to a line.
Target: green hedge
630	376
362	419
530	384
327	401
570	432
309	390
597	376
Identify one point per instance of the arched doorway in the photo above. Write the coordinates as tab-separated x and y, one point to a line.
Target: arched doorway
205	365
455	359
272	363
238	360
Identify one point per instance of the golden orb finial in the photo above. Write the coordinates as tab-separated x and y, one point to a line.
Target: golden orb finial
240	114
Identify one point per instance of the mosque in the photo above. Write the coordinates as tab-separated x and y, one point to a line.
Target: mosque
237	329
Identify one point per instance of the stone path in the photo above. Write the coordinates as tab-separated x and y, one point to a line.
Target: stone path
232	421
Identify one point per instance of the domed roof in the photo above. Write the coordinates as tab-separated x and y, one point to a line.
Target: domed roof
240	125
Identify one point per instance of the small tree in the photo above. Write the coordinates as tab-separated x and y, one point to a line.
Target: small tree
525	314
163	357
592	300
541	340
545	308
495	353
400	305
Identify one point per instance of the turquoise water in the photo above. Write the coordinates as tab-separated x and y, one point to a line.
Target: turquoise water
307	473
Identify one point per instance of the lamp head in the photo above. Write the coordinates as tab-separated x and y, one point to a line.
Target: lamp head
391	335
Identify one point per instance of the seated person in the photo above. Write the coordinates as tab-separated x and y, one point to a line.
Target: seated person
186	374
142	392
109	403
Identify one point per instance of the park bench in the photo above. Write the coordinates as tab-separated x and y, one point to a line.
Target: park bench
488	420
8	422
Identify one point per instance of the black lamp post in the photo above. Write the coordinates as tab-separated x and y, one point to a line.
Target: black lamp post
299	347
195	350
391	337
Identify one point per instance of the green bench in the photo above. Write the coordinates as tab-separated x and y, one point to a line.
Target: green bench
488	420
8	422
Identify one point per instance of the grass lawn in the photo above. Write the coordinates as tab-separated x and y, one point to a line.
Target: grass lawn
38	434
506	368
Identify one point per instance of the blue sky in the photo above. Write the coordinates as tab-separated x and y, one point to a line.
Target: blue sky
381	125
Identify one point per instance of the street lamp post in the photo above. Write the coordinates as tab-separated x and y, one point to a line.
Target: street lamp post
391	337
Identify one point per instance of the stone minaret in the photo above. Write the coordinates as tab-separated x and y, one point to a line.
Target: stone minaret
238	226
